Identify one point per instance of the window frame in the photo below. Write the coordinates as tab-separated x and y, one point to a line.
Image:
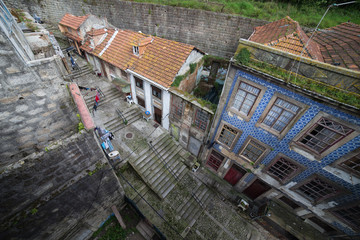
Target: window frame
302	108
288	178
236	138
201	121
140	81
338	163
340	218
261	157
256	102
208	158
136	50
312	155
340	190
175	107
157	90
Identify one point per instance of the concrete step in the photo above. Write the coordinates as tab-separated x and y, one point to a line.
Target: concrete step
195	208
145	230
117	123
130	121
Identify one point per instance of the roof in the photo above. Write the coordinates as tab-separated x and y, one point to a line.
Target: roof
286	35
72	36
72	21
96	32
340	45
160	62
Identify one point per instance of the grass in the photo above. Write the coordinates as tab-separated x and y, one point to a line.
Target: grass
306	15
315	86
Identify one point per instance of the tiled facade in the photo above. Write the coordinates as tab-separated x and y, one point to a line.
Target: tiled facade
282	145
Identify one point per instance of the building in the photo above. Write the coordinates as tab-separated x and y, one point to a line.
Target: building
161	73
75	28
293	138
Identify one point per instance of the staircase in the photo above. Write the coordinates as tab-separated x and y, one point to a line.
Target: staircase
82	71
160	166
145	230
190	209
110	94
116	124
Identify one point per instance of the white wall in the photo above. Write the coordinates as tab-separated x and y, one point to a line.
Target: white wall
194	57
148	97
133	88
165	109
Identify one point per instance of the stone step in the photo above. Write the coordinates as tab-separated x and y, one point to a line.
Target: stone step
91	97
195	208
130	121
166	188
159	161
182	205
108	97
113	123
145	230
151	153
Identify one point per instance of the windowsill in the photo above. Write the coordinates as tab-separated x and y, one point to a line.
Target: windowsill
343	175
239	115
305	153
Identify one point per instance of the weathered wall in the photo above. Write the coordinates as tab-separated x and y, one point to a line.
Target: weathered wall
214	33
45	186
332	75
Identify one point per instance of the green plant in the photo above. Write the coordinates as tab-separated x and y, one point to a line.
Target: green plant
192	67
80	126
243	56
33	211
46	149
178	80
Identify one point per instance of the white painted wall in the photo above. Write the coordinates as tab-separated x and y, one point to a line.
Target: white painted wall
194	57
133	88
165	109
148	97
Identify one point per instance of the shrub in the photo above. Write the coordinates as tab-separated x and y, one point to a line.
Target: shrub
243	56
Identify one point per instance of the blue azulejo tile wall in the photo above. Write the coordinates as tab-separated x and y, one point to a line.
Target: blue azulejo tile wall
282	146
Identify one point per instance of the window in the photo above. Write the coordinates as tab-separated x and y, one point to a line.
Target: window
215	159
177	107
141	102
351	162
136	50
349	214
317	189
156	92
227	136
253	150
283	169
324	134
245	98
139	83
280	115
289	202
201	119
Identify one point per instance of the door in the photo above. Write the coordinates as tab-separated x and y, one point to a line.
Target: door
157	116
103	68
194	146
257	188
234	174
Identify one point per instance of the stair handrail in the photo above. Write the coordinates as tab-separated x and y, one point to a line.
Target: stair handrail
121	115
163	160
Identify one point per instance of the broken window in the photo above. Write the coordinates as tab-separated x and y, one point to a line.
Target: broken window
283	169
317	189
177	107
349	214
352	164
215	159
252	151
201	119
324	134
227	136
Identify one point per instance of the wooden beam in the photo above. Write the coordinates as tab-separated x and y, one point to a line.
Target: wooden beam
118	217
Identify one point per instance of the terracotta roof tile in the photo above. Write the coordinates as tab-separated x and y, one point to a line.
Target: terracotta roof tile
72	21
286	35
72	36
160	62
340	45
96	32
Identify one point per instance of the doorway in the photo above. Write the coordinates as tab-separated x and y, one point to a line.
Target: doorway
257	188
158	115
234	174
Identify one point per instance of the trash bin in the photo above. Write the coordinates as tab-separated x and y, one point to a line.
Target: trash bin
114	155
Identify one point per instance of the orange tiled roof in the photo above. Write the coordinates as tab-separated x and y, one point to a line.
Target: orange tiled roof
73	37
72	21
96	32
286	35
160	62
340	45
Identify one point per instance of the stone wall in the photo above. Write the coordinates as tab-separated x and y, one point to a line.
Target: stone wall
214	33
